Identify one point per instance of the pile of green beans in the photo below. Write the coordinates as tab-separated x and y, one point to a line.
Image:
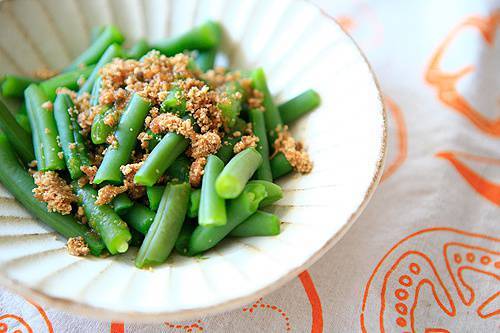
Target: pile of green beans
170	215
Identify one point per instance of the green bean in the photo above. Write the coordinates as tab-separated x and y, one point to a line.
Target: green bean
299	106
103	219
163	233
113	51
237	172
14	85
162	156
23	121
179	169
96	91
81	143
131	123
140	48
100	130
44	124
20	184
90	56
202	37
63	114
154	194
240	125
259	224
95	32
231	106
137	238
238	210
194	203
271	113
174	102
182	242
67	80
139	217
259	129
212	211
18	137
226	151
280	166
274	192
206	59
122	203
35	135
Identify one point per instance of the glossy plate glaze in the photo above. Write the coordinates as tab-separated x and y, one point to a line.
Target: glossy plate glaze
300	48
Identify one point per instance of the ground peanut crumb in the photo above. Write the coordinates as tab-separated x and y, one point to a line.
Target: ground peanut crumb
44	73
255	100
47	105
144	138
112	141
236	134
111	119
33	164
205	144
77	246
129	171
89	171
60	155
106	194
196	171
72	145
53	190
293	151
247	141
80	215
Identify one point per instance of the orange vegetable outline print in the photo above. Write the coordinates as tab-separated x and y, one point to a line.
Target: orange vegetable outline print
445	83
401	136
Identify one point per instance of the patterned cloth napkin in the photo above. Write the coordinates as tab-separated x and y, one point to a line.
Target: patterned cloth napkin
425	254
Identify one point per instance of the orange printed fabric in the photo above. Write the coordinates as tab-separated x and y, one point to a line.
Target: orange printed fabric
425	254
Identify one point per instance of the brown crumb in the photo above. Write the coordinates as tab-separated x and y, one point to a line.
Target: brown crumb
48	105
247	141
112	141
236	134
255	100
80	215
293	151
44	73
129	171
33	164
144	138
72	145
196	171
53	190
89	171
60	155
106	194
46	130
77	246
205	144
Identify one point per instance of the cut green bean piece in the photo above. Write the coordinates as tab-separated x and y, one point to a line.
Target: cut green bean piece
237	172
164	154
174	102
18	137
194	203
182	242
259	224
23	121
299	106
100	130
280	166
226	151
238	210
113	51
140	48
163	233
14	85
259	129
206	59
274	192
139	217
96	91
212	211
62	108
20	184
271	113
45	124
90	56
103	219
35	135
179	169
202	37
131	123
67	80
231	105
122	203
154	194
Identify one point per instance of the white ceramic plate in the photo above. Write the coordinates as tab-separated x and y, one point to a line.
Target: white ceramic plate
300	48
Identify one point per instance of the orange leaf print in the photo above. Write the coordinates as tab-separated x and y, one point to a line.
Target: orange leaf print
486	188
446	83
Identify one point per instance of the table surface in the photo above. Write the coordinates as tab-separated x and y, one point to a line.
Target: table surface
423	256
